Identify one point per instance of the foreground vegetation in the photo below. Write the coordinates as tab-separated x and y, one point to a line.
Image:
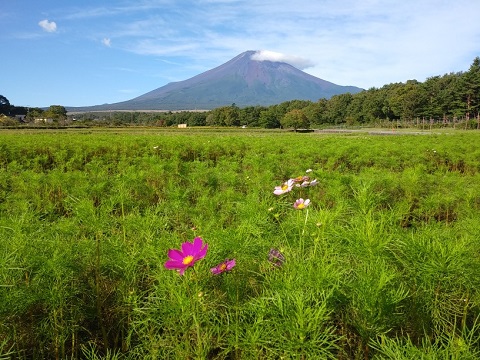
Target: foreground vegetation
383	264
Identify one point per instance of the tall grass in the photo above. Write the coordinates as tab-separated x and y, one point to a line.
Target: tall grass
383	264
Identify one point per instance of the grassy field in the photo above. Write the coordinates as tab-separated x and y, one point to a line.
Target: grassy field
383	264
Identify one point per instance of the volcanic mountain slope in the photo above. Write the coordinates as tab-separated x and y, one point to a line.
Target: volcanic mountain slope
242	80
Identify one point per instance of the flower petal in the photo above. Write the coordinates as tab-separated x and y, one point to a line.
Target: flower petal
175	254
202	253
298	203
173	264
187	248
230	264
197	245
215	270
290	182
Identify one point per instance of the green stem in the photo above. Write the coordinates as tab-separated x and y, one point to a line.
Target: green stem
302	233
305	222
97	290
193	301
197	330
123	224
237	317
284	234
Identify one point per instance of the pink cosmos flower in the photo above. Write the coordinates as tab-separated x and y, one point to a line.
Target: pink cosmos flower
190	253
286	187
301	204
227	265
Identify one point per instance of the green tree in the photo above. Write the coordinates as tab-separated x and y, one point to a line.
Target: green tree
407	100
355	113
315	112
4	105
471	93
7	121
219	117
250	115
373	104
268	118
34	113
211	119
197	119
295	119
231	115
337	108
433	106
56	112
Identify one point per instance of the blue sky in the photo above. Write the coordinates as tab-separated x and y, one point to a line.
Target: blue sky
90	52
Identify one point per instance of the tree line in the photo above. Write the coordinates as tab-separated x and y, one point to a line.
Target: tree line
9	112
441	100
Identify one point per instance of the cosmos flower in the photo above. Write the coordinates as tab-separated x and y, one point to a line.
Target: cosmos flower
301	204
191	252
276	257
227	265
286	187
308	183
301	179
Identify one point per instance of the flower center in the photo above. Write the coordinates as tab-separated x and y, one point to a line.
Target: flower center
300	206
223	267
284	186
187	260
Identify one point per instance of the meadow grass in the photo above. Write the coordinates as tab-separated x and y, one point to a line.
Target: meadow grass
384	263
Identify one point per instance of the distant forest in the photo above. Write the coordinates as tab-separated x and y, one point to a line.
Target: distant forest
446	100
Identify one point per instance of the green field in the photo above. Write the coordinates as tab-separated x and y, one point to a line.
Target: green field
384	263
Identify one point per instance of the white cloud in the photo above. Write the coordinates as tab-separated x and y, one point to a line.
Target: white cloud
48	26
107	42
296	61
152	47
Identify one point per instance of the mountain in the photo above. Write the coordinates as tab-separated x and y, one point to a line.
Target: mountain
241	80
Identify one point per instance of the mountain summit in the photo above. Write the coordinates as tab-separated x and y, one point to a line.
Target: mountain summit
242	80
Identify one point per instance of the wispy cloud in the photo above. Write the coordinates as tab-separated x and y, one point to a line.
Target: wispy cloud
48	26
152	47
128	7
107	42
154	26
92	12
26	35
